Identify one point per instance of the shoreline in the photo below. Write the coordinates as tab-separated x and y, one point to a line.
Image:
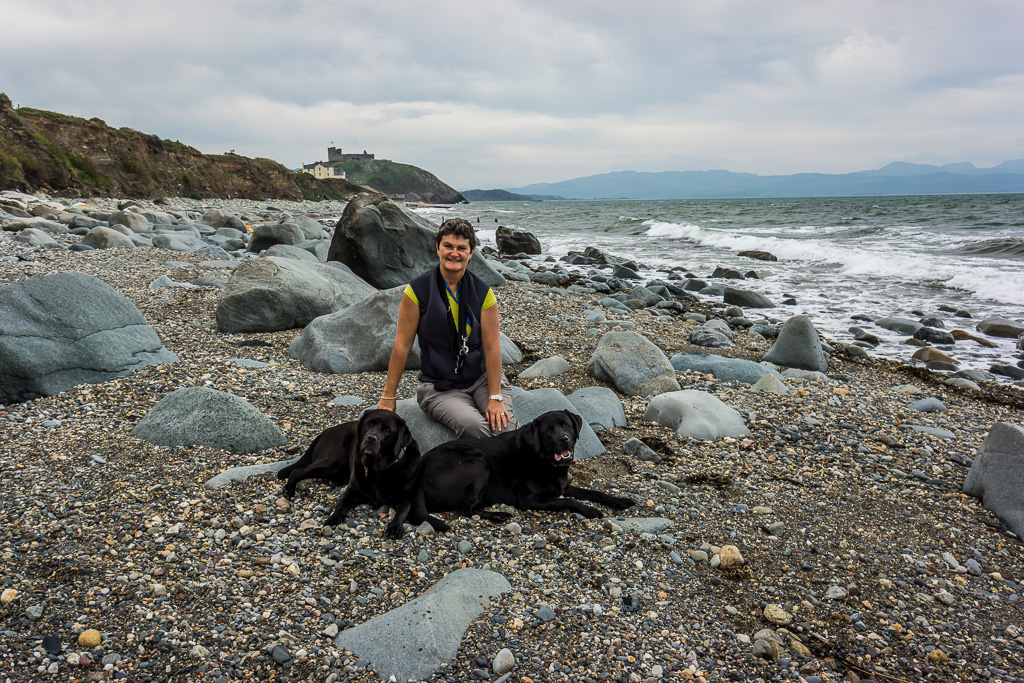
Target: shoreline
111	533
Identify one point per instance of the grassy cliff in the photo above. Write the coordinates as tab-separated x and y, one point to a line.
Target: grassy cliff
60	154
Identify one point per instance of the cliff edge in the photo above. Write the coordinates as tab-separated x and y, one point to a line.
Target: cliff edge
60	154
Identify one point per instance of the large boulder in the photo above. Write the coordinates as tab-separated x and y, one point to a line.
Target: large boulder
200	416
178	241
414	641
933	335
357	339
310	227
387	245
997	475
511	241
62	330
107	238
1001	327
34	237
599	406
529	405
271	294
798	346
132	220
746	298
900	325
710	337
218	218
632	364
696	414
526	406
266	236
725	369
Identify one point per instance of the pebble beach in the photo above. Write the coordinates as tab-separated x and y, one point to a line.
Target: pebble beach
862	559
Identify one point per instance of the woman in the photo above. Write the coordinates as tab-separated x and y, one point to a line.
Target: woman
455	315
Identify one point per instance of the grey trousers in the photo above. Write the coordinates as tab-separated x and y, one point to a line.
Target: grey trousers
464	410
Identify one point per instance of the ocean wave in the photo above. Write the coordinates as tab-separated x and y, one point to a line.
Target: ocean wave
1006	247
875	259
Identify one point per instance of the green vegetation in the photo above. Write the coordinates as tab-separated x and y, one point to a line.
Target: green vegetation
10	170
50	115
88	171
386	176
315	190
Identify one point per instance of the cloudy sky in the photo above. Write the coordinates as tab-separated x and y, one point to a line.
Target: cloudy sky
503	93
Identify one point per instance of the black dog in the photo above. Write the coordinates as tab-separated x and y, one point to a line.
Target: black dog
376	456
527	468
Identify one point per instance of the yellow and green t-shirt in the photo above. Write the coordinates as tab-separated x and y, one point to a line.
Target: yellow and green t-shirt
489	301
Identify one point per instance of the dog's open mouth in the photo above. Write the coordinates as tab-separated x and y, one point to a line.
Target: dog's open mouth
563	459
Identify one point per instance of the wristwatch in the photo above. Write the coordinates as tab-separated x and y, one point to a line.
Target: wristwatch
497	397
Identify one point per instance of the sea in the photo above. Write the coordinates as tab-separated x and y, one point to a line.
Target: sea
838	257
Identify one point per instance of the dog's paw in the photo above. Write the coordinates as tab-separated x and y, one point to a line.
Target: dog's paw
288	493
394	530
439	526
621	503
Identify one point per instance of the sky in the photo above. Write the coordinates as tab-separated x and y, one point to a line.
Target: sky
505	93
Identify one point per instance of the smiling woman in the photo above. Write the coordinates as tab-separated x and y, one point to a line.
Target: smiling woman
455	316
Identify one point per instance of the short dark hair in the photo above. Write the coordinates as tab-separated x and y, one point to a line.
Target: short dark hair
457	227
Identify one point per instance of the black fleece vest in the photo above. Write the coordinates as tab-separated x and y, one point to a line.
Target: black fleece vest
438	349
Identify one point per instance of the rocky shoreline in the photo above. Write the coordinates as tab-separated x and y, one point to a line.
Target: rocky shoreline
862	558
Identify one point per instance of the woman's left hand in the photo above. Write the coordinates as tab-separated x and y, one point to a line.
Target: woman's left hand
497	415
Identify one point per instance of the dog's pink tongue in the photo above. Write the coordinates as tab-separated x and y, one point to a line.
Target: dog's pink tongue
562	456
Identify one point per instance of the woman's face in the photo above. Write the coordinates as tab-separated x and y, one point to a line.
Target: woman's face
454	254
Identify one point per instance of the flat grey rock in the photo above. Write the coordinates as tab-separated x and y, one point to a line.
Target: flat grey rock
725	369
546	367
413	641
932	431
200	416
248	362
643	525
243	473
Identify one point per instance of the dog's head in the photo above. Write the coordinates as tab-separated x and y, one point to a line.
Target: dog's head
553	435
384	438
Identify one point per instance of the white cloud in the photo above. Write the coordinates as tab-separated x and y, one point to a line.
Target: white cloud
512	92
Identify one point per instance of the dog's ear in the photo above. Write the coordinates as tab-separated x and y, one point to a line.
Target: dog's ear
405	440
530	434
576	420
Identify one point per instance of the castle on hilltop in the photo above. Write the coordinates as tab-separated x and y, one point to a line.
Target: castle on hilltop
334	154
324	169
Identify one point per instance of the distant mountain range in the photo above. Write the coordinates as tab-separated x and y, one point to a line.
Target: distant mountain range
897	178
